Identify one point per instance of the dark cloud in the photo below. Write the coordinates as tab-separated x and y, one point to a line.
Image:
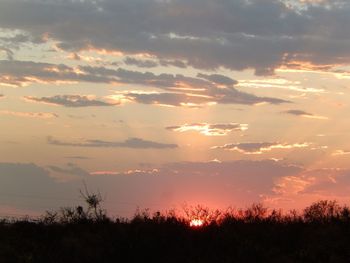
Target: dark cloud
147	63
212	96
168	99
219	183
212	183
259	147
180	89
174	63
185	90
257	34
304	114
135	143
20	178
71	169
140	63
164	80
19	73
218	79
73	101
298	112
29	187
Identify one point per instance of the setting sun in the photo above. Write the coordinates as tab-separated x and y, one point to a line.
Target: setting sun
196	223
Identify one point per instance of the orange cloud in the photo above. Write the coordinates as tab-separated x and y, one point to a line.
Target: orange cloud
259	147
210	129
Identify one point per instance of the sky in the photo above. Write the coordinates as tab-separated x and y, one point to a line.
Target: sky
164	103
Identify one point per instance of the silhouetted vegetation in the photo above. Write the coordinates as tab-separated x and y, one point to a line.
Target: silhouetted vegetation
320	233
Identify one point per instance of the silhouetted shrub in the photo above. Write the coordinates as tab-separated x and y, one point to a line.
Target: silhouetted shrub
255	213
202	213
67	215
322	211
321	233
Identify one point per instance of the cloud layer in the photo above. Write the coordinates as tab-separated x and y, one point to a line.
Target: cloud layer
212	183
261	35
177	90
217	184
135	143
73	101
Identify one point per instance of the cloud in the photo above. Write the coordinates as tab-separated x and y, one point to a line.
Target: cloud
72	101
217	184
173	63
71	169
259	147
327	182
9	53
164	81
340	152
213	183
24	177
277	83
305	114
179	89
311	185
140	63
78	157
10	41
164	98
148	63
184	90
27	186
298	113
224	96
259	35
21	73
135	143
209	129
218	79
36	115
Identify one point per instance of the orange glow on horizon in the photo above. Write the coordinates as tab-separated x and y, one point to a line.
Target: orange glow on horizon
196	223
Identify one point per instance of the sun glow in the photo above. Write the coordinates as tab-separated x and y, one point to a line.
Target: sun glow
196	223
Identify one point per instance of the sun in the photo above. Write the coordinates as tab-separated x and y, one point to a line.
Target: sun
196	223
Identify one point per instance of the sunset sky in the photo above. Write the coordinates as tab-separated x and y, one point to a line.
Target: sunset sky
158	103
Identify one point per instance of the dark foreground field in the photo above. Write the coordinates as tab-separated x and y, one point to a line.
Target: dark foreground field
321	233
